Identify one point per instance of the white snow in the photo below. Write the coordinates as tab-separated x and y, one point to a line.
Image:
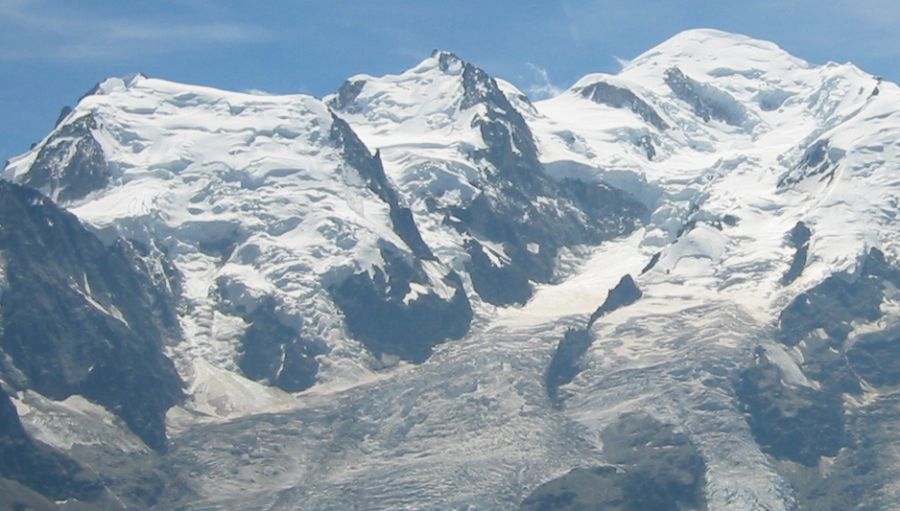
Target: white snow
72	422
585	290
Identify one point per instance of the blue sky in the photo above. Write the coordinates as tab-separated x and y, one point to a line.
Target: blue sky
52	51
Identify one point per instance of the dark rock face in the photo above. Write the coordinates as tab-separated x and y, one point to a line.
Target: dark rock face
372	171
38	466
707	101
875	358
654	469
17	497
521	208
790	422
800	423
271	351
496	284
374	306
71	164
377	313
620	97
347	95
799	239
645	142
838	300
816	159
63	113
651	263
820	159
566	362
276	353
625	293
81	318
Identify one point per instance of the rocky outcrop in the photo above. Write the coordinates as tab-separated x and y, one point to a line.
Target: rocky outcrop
620	97
37	466
82	318
799	239
386	311
566	362
520	208
625	293
708	102
567	359
799	415
651	468
70	164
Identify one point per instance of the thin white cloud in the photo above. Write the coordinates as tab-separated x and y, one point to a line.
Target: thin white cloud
543	87
49	32
258	92
623	63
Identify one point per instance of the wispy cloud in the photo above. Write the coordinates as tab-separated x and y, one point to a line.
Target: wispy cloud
258	92
542	87
623	63
37	30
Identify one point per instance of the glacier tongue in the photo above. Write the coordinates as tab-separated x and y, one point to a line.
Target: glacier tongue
332	246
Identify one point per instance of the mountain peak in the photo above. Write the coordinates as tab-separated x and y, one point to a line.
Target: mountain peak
448	62
709	50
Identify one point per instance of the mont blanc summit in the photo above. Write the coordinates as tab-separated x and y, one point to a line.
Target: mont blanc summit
673	287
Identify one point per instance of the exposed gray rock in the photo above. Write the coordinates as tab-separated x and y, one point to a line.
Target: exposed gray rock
346	96
838	300
652	468
651	263
276	353
625	293
503	284
373	305
620	97
799	239
71	164
372	171
707	101
566	362
800	422
38	466
819	159
82	318
791	422
875	358
63	113
377	314
645	142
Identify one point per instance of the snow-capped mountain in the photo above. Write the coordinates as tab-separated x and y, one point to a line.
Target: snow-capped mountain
279	221
672	286
456	144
